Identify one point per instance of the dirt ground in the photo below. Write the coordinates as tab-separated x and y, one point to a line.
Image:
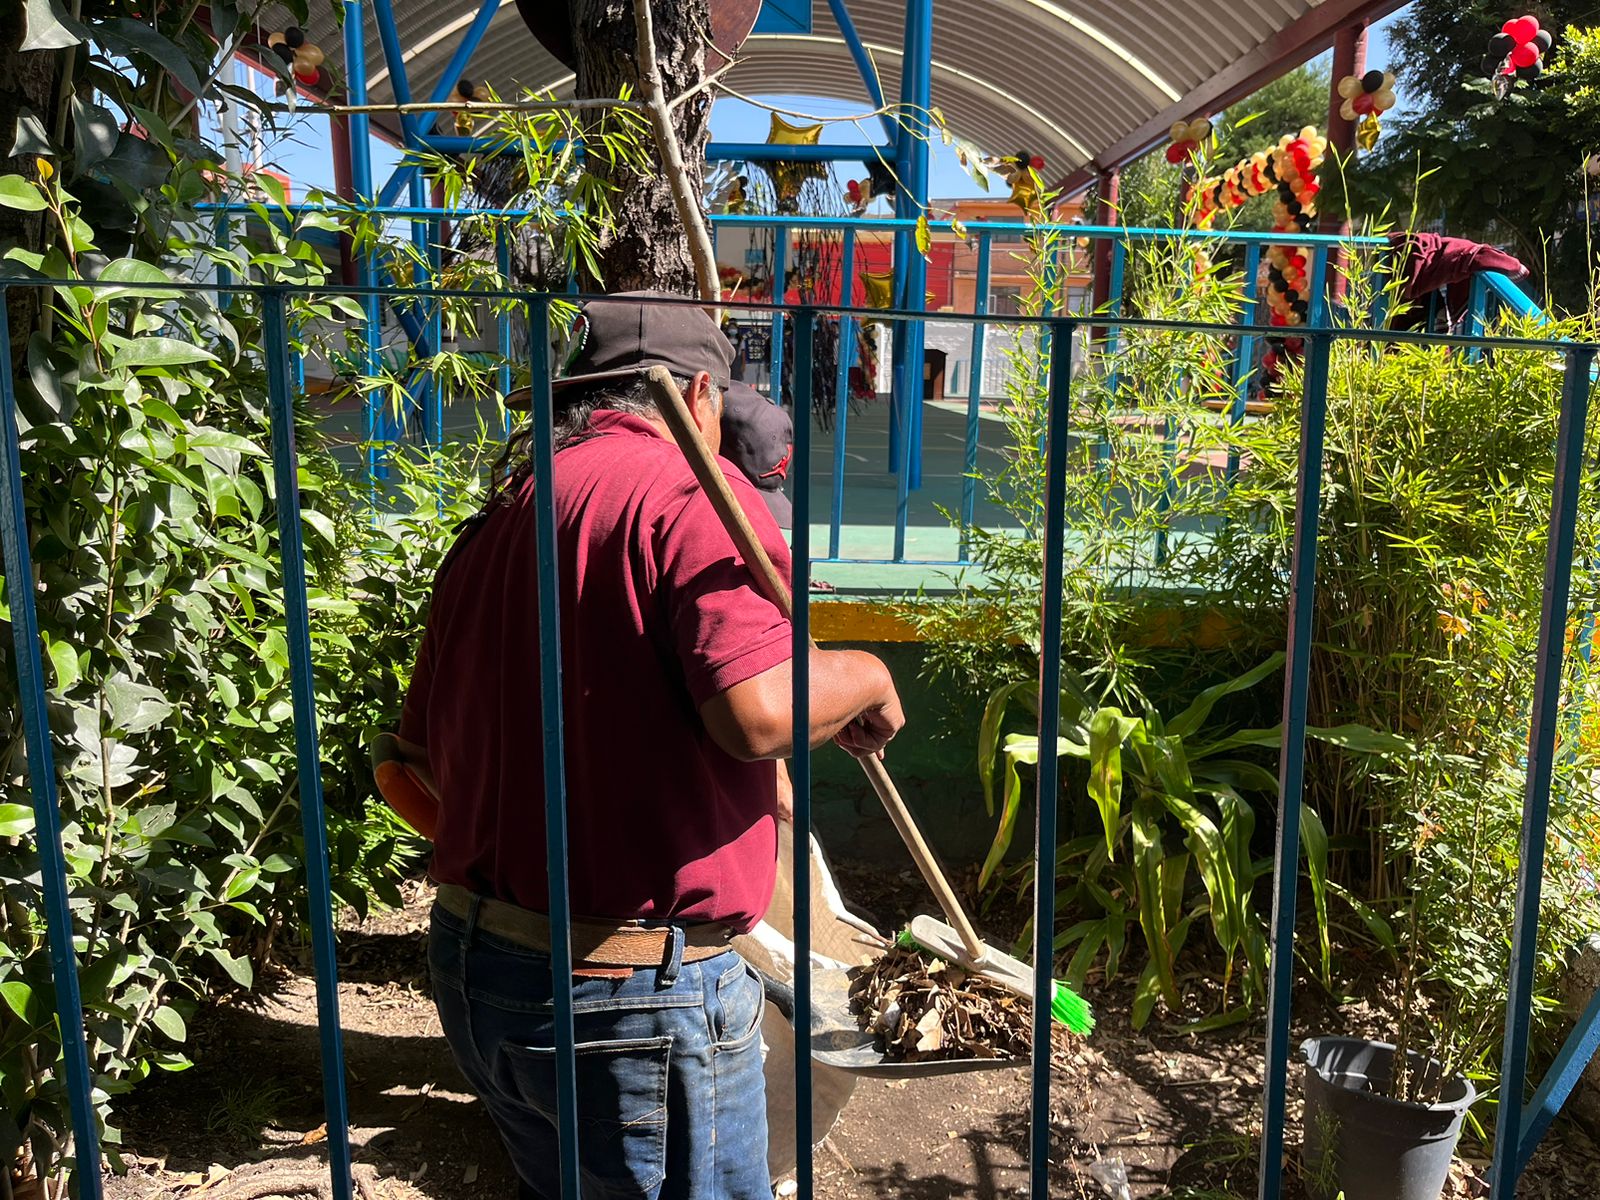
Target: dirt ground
1132	1115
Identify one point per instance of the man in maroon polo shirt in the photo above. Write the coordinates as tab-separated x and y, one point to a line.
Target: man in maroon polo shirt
676	704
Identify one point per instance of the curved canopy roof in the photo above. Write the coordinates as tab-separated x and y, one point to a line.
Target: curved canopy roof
1084	83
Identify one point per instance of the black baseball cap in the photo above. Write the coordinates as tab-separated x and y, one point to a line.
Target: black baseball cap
622	336
758	438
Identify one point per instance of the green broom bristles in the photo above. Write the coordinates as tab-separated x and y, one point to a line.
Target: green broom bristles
1066	1006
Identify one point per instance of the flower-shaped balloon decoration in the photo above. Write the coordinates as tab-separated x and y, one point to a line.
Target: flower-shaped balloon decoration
1516	53
304	58
1020	171
470	90
1367	96
1187	138
860	193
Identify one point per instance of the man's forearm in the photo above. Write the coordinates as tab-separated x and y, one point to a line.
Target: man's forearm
753	719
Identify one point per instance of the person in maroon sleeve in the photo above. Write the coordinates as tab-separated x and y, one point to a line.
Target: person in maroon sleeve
676	705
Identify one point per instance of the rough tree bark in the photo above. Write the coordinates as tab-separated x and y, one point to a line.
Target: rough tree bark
27	81
649	248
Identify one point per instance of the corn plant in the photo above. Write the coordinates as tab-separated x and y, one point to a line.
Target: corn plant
1157	785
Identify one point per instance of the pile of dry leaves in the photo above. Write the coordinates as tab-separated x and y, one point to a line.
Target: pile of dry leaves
924	1009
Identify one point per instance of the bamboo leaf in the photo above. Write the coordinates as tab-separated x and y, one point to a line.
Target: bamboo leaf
1008	823
1314	841
1193	717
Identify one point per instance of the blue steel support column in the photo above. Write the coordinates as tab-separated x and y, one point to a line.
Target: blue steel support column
780	295
980	331
42	780
420	394
864	65
1119	272
380	423
1058	442
1292	761
1557	1085
423	123
910	268
841	402
553	733
800	762
313	818
394	58
1541	760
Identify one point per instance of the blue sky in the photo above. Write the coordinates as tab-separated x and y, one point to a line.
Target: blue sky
302	151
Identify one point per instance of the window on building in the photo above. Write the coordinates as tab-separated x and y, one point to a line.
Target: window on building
1005	301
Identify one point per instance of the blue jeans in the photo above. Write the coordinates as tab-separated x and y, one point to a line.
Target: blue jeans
671	1100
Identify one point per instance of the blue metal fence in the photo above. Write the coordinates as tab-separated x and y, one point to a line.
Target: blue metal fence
1520	1125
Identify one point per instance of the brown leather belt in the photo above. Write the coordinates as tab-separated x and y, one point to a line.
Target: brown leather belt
594	943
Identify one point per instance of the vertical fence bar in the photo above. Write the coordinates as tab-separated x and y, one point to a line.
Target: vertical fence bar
1317	312
419	383
780	295
378	424
841	402
1058	438
1541	760
313	818
1244	360
980	332
553	732
502	264
42	781
900	435
1292	761
1119	273
1477	313
800	761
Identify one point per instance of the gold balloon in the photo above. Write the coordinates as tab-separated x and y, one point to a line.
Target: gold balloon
879	287
1179	131
1350	87
1382	100
310	55
1347	110
1199	130
788	177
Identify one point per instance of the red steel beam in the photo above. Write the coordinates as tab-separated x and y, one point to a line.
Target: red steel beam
1284	50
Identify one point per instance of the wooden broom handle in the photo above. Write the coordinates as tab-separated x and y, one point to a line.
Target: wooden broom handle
670	403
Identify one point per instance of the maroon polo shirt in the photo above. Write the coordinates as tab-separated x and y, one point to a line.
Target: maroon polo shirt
658	615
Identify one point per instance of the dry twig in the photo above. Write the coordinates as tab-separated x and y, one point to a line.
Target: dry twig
927	1009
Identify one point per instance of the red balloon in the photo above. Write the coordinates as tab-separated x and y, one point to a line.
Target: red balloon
1362	103
309	77
1525	55
1523	29
1176	152
1278	319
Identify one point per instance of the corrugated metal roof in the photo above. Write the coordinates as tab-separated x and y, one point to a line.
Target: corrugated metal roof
1080	82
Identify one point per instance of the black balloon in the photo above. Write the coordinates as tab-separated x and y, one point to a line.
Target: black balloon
1528	73
464	88
1371	81
1294	208
1543	39
1502	44
1275	277
284	51
295	36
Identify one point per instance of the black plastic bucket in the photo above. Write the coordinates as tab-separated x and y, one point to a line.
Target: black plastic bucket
1365	1144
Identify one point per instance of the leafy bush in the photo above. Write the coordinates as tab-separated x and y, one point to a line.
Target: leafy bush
150	496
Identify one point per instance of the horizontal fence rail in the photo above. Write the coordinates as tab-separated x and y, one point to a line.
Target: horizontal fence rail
1517	1135
905	400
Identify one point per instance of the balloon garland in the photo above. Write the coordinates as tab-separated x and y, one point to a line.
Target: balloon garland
1289	168
1186	139
1367	96
304	58
1516	53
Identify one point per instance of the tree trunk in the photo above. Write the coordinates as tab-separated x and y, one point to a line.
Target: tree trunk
649	248
27	81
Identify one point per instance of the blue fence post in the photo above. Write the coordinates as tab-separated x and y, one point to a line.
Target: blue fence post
42	781
502	263
553	733
980	333
800	760
380	422
1244	360
780	295
1058	441
1541	760
313	818
1477	313
1119	273
1291	765
841	403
